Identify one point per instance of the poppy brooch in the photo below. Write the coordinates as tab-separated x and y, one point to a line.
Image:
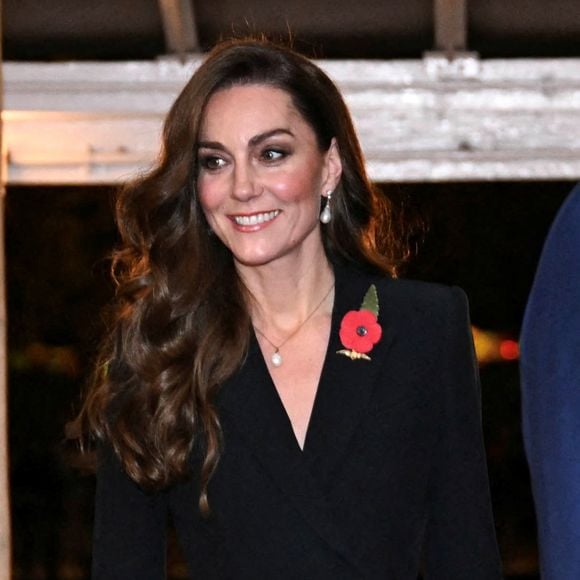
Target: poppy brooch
359	329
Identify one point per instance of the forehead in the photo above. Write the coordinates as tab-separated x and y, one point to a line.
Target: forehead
250	108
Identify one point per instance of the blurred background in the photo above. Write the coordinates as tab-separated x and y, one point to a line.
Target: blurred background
483	99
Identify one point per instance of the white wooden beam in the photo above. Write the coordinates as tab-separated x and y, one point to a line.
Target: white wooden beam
417	120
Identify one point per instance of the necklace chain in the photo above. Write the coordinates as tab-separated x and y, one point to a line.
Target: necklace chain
276	357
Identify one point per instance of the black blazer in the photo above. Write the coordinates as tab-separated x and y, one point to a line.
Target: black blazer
392	478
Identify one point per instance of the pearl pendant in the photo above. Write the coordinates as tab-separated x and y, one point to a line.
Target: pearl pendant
276	359
326	215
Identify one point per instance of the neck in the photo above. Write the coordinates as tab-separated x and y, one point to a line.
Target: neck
284	295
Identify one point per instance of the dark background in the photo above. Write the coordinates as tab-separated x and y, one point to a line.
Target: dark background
485	237
132	29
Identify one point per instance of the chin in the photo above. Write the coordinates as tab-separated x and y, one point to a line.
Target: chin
253	261
254	254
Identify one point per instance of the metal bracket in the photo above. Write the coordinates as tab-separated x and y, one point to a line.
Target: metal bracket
463	65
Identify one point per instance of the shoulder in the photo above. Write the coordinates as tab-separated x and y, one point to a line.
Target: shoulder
550	339
423	299
401	298
418	294
569	213
555	291
561	246
412	304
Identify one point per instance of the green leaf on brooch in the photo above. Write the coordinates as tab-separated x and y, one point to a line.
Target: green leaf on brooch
371	301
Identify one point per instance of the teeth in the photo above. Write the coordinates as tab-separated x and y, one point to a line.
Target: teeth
257	218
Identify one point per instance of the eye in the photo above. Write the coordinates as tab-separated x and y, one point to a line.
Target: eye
211	162
271	155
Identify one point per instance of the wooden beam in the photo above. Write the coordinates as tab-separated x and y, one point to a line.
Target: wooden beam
5	528
506	119
179	27
450	26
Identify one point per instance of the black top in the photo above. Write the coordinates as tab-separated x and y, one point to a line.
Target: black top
392	478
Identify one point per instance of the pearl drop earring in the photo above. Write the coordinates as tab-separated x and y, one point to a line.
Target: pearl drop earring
326	214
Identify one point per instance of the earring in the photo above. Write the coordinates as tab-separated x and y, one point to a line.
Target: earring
326	214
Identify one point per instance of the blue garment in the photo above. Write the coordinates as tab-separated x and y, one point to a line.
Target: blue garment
550	370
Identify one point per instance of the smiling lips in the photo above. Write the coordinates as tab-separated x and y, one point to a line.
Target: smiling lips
255	219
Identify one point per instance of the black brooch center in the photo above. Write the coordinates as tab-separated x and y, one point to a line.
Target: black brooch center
361	330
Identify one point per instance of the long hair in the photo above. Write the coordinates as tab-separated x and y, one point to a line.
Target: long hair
180	319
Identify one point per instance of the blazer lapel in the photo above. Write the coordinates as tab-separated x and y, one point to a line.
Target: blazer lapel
250	405
346	385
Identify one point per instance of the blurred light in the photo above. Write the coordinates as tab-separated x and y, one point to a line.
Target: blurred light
61	360
509	349
494	347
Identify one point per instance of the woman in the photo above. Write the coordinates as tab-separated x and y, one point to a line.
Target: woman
297	412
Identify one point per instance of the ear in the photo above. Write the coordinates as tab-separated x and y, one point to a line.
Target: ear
332	167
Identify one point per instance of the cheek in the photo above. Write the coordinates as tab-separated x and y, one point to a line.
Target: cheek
209	197
298	186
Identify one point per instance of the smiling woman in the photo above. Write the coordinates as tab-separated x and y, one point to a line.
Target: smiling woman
261	178
221	396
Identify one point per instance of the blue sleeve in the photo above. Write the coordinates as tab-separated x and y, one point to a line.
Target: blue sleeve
550	372
130	526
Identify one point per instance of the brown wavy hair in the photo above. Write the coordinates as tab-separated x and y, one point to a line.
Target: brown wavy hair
180	319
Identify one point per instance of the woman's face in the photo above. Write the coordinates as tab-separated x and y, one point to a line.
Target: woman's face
261	175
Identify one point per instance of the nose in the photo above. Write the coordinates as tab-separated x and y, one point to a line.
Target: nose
245	186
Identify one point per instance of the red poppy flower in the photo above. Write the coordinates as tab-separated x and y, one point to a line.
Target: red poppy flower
360	331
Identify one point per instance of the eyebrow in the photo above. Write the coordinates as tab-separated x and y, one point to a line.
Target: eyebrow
256	140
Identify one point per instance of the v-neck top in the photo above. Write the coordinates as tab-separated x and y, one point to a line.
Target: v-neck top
392	477
256	352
